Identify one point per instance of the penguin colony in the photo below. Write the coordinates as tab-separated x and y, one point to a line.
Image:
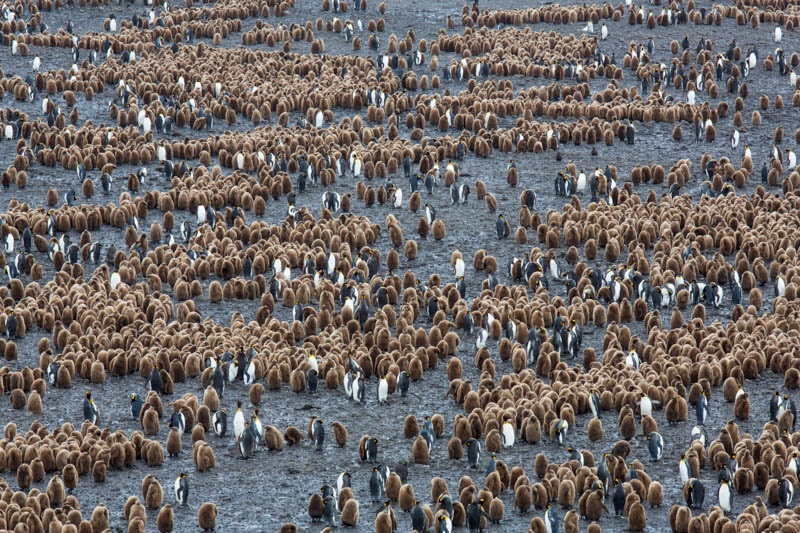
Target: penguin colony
224	270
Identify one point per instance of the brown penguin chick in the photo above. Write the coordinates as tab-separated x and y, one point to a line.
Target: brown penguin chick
438	229
423	228
339	434
595	507
69	474
99	472
496	511
410	427
595	430
34	403
637	519
393	484
315	507
454	449
419	451
207	516
273	439
150	422
55	491
566	493
492	442
406	499
294	436
383	523
155	495
655	494
523	498
741	406
627	428
100	518
349	516
166	519
174	443
438	487
24	476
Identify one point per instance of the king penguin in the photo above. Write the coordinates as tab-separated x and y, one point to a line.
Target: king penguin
220	422
473	452
238	421
655	444
701	409
318	434
725	497
90	411
181	489
508	433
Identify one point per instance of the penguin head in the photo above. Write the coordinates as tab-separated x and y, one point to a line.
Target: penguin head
468	443
375	440
375	469
89	395
649	437
182	475
133	397
239	405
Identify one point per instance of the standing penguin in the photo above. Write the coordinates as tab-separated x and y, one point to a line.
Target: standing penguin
345	479
403	383
683	468
655	444
785	492
181	489
645	404
474	515
594	404
177	420
238	421
218	380
90	411
552	522
383	390
154	381
257	428
696	493
329	512
562	426
445	524
508	433
725	497
136	406
619	499
372	450
419	521
473	452
376	487
220	423
318	434
246	443
701	409
11	325
311	381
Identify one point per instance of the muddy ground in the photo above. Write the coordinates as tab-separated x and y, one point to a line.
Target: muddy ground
273	488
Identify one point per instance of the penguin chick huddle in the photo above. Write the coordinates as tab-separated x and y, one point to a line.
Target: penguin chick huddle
218	272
